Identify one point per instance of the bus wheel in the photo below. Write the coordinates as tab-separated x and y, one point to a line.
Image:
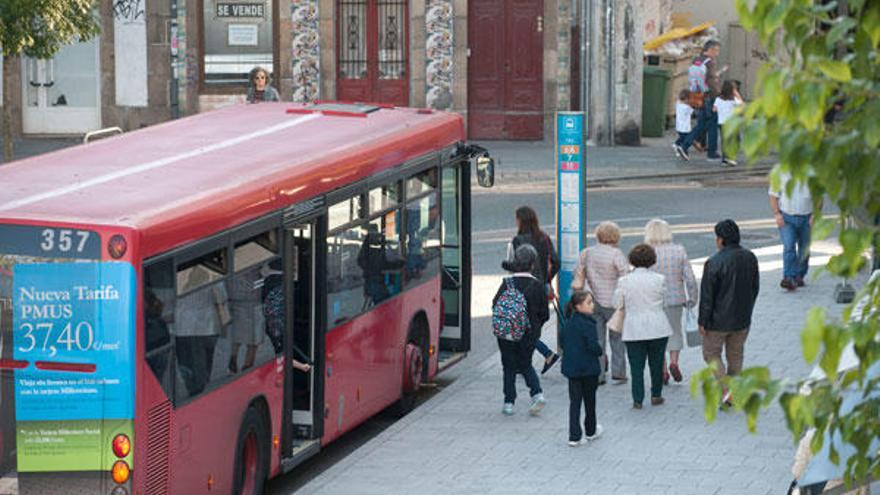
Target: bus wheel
413	372
251	459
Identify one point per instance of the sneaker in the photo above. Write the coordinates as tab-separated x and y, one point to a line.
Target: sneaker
788	284
799	281
538	403
549	364
682	153
657	401
507	410
677	149
637	405
714	158
618	380
727	163
575	443
596	435
675	371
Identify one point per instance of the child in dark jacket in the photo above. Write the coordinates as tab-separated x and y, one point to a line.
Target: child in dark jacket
580	364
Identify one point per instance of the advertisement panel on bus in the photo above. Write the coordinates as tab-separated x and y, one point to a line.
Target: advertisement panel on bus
70	346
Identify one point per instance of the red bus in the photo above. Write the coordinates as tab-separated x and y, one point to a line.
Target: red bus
157	287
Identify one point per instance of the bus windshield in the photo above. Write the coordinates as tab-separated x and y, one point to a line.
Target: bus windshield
66	361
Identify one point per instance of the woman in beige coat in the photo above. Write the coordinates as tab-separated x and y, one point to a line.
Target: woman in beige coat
646	329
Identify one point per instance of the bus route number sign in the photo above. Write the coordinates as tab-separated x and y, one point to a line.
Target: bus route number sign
50	242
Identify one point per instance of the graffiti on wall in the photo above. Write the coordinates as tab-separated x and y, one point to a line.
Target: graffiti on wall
439	51
129	10
305	50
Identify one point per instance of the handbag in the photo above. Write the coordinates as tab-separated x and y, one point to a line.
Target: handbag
691	328
615	324
695	99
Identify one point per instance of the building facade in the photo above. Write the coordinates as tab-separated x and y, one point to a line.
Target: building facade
504	64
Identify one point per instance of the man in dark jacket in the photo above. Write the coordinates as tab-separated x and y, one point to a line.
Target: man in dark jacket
728	292
516	356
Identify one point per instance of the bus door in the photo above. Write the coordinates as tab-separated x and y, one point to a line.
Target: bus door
304	343
455	339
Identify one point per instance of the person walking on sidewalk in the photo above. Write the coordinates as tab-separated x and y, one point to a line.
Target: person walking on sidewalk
725	105
681	287
793	212
704	77
528	231
728	292
683	114
581	366
519	310
646	330
598	270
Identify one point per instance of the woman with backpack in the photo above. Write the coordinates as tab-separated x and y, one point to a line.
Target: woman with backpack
529	232
519	310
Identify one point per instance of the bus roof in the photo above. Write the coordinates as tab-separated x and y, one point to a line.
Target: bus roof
185	179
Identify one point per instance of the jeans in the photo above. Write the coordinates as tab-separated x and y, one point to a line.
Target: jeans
653	350
516	357
543	349
732	343
707	122
618	350
795	234
582	389
681	137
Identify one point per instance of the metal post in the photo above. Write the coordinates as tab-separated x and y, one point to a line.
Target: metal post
586	56
173	100
609	39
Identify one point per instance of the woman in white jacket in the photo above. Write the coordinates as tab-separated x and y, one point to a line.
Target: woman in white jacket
646	329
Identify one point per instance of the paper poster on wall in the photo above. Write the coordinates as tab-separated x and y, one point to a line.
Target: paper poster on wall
130	45
243	35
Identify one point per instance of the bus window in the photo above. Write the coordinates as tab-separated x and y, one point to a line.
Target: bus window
380	260
248	328
201	317
344	212
422	242
158	320
421	183
382	198
345	279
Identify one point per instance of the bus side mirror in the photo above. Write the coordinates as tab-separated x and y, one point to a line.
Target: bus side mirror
485	171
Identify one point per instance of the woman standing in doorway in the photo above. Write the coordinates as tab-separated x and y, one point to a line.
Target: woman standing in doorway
259	88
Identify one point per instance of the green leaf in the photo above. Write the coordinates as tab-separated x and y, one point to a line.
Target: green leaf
835	69
811	336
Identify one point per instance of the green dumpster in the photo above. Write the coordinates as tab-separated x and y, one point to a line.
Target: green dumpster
654	101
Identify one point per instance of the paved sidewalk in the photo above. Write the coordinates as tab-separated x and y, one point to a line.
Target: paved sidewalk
531	161
458	442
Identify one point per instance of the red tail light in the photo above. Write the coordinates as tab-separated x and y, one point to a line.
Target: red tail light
117	246
121	445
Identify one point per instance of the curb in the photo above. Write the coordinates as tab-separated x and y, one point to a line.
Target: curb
672	175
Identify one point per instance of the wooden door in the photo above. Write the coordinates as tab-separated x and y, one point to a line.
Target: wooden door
372	39
505	68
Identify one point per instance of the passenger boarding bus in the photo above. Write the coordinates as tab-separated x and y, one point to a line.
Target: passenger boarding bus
156	288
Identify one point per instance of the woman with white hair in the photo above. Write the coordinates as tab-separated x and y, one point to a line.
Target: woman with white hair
681	286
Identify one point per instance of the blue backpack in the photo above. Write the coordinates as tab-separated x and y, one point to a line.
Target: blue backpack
510	316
